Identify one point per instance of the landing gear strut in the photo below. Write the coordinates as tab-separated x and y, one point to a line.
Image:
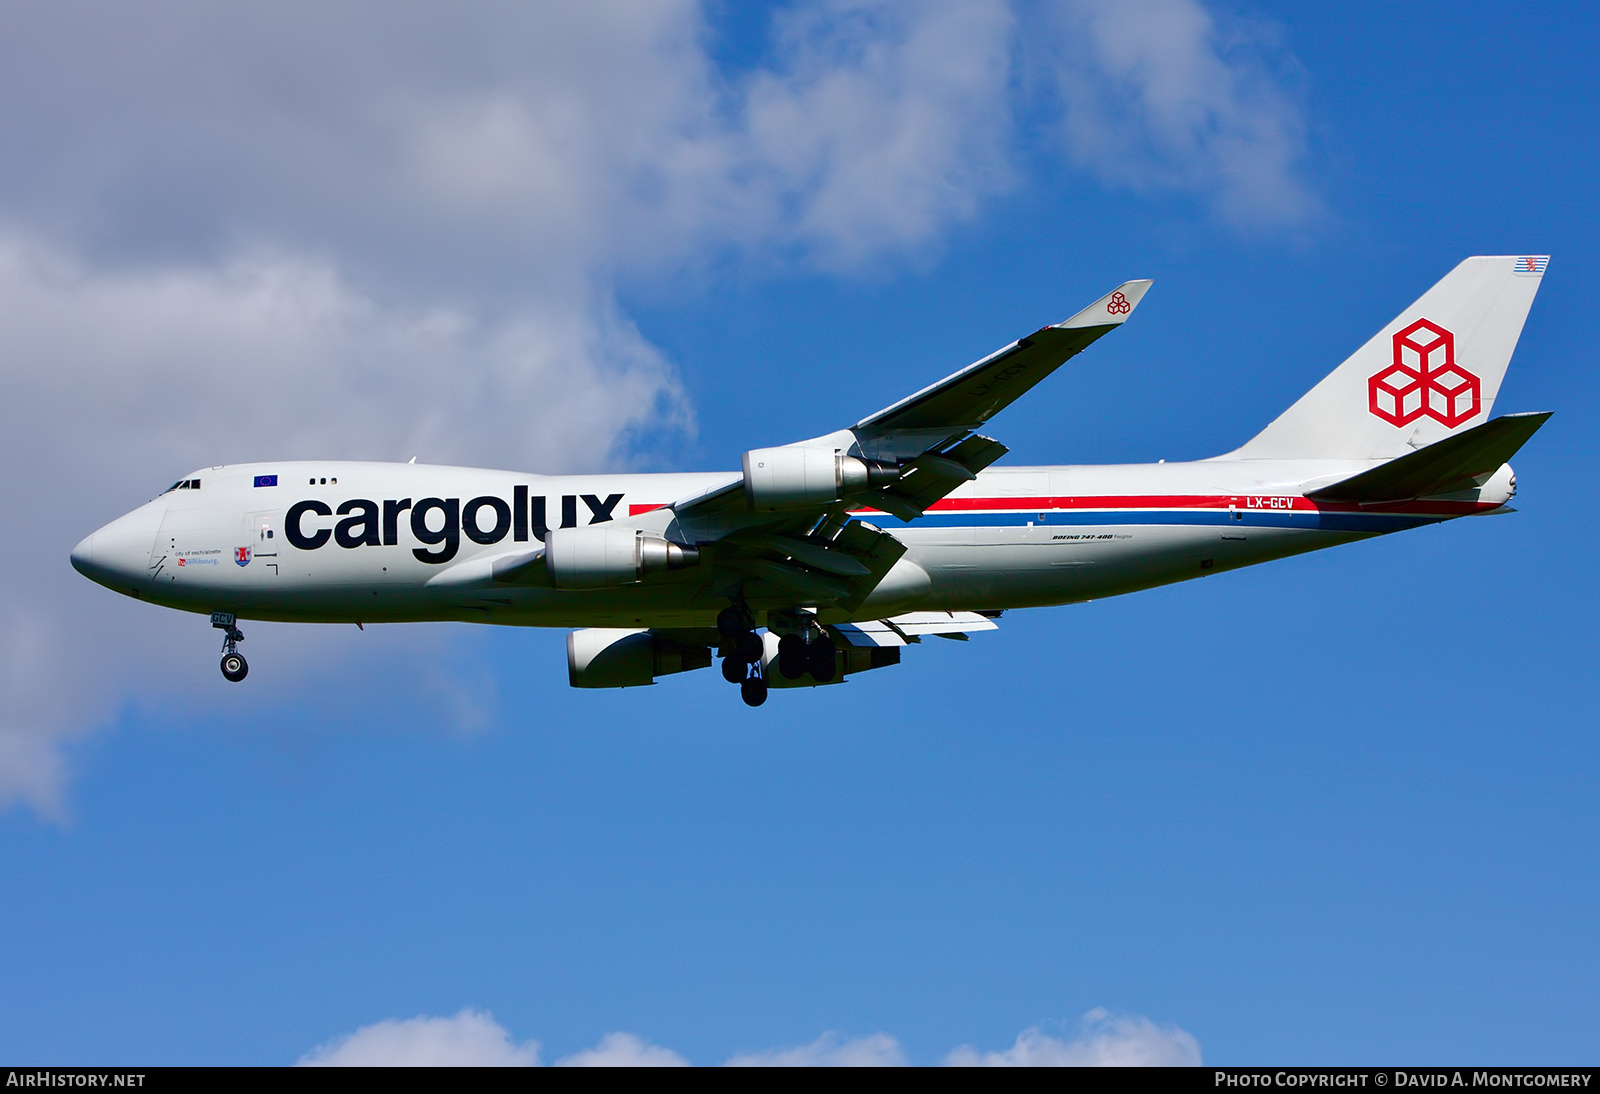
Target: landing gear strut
234	667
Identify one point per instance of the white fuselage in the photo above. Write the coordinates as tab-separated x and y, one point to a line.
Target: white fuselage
373	542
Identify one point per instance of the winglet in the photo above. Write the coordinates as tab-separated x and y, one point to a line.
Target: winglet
1112	308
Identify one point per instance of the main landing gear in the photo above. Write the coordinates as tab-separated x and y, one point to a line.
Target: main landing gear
741	654
234	667
811	652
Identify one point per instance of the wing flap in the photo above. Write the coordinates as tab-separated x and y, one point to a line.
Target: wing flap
931	476
869	634
942	623
818	556
838	571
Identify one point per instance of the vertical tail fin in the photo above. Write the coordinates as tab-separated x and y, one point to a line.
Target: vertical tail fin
1432	372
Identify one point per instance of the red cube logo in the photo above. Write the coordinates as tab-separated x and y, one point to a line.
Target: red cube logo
1424	379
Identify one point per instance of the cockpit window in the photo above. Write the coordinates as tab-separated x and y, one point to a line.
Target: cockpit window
183	484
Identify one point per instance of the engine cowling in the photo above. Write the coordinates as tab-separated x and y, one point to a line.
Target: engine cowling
797	476
603	657
602	555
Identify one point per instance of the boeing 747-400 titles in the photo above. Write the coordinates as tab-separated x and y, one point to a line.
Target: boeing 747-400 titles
827	557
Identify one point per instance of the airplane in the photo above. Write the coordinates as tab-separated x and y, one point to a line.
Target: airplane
825	558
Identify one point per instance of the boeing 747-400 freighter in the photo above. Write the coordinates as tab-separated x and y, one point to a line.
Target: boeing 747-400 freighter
825	558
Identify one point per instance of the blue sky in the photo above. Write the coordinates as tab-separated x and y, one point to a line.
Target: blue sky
1335	809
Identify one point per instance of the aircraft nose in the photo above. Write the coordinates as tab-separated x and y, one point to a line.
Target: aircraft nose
83	556
118	555
111	560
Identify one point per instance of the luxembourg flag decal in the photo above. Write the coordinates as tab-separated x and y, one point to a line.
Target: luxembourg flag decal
1531	265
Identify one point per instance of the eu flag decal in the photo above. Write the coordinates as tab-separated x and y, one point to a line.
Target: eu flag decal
266	480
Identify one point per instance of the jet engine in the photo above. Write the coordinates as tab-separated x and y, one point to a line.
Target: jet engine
796	476
604	554
602	657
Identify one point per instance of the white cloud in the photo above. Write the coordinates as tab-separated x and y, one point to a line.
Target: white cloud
484	147
470	1039
829	1050
1106	1040
114	382
623	1050
1157	97
883	122
473	1038
270	354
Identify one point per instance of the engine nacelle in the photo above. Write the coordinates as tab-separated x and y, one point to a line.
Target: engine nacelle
603	657
604	554
796	476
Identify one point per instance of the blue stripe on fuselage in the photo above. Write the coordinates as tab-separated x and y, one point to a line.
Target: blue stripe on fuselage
1199	518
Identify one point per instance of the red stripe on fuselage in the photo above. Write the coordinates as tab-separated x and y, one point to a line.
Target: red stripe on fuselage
1128	501
1250	503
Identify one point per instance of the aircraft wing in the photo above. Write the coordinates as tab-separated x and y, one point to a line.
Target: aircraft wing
965	400
930	434
911	454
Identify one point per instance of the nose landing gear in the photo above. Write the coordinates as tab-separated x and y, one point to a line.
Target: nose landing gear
234	667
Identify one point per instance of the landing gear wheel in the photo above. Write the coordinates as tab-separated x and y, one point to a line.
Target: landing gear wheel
751	647
821	660
753	691
734	670
732	622
233	666
792	656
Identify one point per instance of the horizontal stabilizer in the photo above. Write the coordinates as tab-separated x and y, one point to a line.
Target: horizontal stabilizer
1455	463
